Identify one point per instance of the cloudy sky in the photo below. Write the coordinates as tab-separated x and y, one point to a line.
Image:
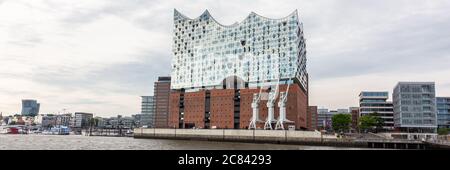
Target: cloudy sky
100	56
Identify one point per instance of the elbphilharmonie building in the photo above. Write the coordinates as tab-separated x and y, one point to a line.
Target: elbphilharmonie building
250	74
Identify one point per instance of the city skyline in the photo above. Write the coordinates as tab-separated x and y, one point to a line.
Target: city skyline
101	56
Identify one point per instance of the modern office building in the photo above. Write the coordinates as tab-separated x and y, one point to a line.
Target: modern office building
324	119
30	107
81	119
127	122
148	111
354	111
415	107
63	119
324	116
220	71
161	100
443	112
371	102
46	121
311	118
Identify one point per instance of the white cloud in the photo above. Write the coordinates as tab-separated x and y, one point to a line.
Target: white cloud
100	56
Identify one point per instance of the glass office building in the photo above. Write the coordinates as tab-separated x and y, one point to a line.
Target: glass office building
30	107
415	107
148	111
376	102
443	112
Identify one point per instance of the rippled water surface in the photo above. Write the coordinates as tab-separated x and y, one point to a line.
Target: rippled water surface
75	142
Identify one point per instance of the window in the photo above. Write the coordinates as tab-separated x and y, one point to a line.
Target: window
404	108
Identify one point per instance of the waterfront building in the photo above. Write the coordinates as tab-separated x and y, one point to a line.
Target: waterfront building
81	119
30	107
120	121
355	117
415	107
63	119
376	102
18	119
220	71
127	122
28	121
147	111
161	100
106	122
312	118
142	120
6	120
443	112
324	117
45	121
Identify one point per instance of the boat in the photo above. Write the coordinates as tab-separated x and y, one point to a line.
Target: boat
60	130
9	130
129	131
3	130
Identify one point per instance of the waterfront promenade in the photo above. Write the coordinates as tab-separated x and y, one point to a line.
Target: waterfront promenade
312	138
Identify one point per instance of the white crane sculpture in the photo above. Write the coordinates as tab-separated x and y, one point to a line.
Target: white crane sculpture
282	105
270	108
255	107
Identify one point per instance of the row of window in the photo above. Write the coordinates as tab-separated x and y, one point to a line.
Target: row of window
418	122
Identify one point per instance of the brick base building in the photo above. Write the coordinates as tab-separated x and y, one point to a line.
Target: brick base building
231	108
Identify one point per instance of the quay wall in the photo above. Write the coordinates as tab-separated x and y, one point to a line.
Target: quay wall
281	137
253	136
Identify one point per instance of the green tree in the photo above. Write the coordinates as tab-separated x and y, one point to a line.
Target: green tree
371	122
96	120
92	122
379	122
367	122
443	131
341	122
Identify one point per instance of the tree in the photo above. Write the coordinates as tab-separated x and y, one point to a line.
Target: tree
371	122
96	120
91	122
379	122
366	122
443	131
341	122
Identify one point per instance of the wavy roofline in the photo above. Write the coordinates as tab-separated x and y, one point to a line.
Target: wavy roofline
206	12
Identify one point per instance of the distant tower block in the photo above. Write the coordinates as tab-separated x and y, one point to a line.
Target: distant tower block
270	110
282	105
255	107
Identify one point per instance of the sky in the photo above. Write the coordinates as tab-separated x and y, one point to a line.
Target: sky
100	56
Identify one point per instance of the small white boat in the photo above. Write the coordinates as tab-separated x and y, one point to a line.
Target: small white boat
3	130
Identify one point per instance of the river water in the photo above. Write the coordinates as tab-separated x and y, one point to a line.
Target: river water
78	142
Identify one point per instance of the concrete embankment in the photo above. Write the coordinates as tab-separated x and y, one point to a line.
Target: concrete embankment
251	136
282	137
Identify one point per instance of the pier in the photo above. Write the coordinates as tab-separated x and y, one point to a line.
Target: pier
113	132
